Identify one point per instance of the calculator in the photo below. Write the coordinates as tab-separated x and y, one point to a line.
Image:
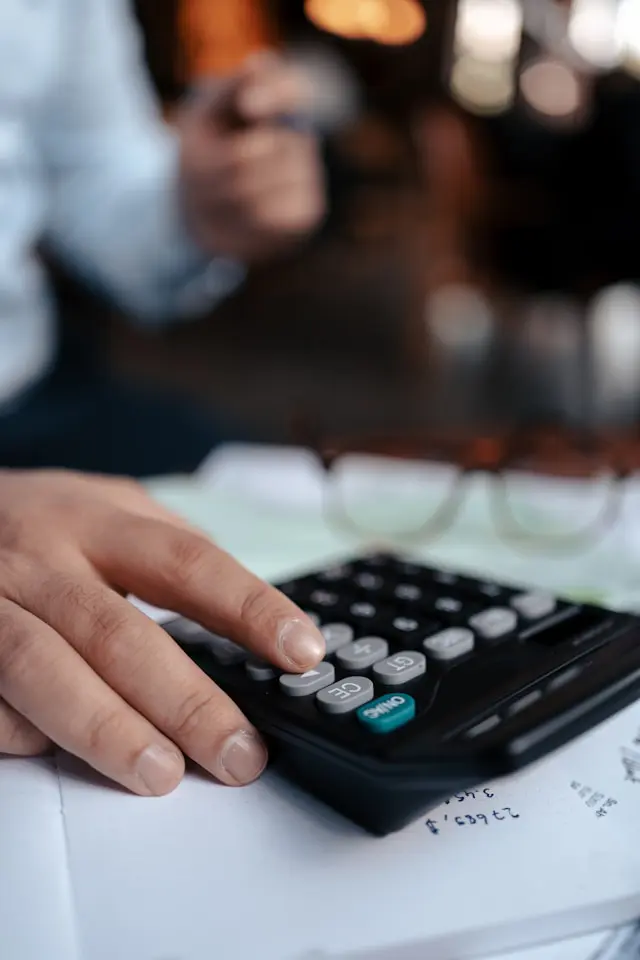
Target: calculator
433	682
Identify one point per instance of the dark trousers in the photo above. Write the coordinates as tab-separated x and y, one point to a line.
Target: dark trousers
81	418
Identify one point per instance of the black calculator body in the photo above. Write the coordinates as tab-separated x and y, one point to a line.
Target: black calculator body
433	682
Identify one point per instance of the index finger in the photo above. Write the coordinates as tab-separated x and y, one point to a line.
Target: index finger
177	569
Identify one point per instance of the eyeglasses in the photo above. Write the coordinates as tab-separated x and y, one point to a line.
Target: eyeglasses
548	488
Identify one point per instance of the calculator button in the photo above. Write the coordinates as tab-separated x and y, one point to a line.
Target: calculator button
304	684
324	598
363	611
483	727
561	679
260	670
491	590
345	696
363	653
387	713
188	633
450	644
335	574
405	625
224	651
534	605
408	593
369	581
336	635
527	701
494	623
445	578
401	668
448	605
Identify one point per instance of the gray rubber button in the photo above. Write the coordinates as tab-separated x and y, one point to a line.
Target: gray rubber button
345	696
401	668
334	574
450	644
324	598
407	591
494	623
448	605
223	651
188	632
369	581
534	605
336	635
363	653
483	727
260	670
304	684
364	610
527	701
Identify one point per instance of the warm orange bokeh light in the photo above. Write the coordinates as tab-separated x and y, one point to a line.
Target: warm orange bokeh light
217	35
391	22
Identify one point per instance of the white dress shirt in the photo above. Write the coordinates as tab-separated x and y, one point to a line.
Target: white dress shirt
88	167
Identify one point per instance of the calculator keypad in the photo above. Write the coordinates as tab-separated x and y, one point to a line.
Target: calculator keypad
397	634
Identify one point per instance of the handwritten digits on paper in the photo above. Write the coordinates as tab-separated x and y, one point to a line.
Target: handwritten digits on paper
494	814
593	799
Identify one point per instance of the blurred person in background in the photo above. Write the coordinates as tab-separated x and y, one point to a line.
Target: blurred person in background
163	222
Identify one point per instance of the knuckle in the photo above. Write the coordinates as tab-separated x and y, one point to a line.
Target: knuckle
20	738
90	621
198	709
257	604
104	728
190	557
13	530
15	648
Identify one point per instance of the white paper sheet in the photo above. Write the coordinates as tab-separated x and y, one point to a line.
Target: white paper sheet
267	872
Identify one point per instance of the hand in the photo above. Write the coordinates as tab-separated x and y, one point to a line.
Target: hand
252	186
83	668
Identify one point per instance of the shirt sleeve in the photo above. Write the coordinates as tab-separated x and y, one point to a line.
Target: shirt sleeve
113	170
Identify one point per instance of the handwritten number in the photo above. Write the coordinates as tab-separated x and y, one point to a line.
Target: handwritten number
431	824
483	819
515	816
488	793
471	819
460	821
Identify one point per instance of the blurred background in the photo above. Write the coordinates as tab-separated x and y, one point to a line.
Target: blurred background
481	260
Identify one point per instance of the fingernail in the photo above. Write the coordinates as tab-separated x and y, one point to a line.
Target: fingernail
301	645
244	756
160	769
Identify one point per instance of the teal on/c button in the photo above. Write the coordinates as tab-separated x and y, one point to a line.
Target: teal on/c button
387	713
